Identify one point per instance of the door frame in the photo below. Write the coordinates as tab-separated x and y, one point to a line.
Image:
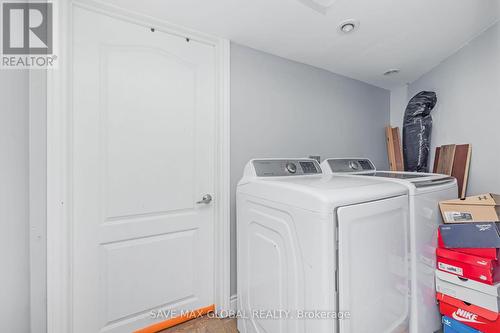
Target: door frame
59	168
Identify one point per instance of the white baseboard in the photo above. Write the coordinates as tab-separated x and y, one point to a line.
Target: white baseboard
231	311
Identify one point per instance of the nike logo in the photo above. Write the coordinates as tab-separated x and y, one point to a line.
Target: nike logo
466	317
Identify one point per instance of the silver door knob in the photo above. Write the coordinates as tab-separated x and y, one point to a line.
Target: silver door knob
207	198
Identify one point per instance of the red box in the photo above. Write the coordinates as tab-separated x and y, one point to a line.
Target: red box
471	315
490	253
468	266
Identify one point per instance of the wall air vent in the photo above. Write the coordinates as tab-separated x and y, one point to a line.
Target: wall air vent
321	6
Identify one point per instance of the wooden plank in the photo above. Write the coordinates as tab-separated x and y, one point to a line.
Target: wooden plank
398	150
466	173
460	169
436	159
390	148
446	157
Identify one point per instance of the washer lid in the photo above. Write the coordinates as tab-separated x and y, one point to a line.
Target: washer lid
396	175
365	167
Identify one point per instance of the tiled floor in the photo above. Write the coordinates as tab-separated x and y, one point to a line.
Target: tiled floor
205	325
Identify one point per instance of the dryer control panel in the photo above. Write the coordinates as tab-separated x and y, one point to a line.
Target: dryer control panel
285	167
351	165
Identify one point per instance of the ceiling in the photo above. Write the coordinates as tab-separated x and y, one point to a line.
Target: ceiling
410	35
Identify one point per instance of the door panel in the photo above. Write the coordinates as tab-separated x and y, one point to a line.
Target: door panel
137	253
157	96
142	155
373	247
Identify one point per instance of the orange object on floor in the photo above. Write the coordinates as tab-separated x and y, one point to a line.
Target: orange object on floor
177	320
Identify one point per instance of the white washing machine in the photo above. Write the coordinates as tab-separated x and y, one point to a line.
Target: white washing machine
425	191
314	247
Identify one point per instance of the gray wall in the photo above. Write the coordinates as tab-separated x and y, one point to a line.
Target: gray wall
468	90
280	108
14	196
399	101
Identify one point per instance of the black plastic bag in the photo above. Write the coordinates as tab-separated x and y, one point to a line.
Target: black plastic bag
417	127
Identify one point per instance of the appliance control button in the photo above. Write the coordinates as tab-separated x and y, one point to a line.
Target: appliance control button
291	167
353	165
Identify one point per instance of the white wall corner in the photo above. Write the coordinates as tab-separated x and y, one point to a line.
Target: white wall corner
234	303
399	101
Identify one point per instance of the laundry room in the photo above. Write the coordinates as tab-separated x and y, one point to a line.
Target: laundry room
272	166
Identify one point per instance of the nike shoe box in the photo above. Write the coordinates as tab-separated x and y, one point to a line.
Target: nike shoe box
468	314
490	253
471	235
454	326
470	291
468	266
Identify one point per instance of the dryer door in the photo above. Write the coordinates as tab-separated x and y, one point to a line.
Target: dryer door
373	266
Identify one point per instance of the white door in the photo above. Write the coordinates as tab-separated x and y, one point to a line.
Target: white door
373	270
142	155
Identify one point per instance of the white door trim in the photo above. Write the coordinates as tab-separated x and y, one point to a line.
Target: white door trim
59	168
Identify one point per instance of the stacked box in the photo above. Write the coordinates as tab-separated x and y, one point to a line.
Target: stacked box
452	326
469	314
486	252
469	291
468	265
478	208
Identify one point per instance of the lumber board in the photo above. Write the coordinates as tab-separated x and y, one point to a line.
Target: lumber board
461	165
394	149
446	158
398	149
436	159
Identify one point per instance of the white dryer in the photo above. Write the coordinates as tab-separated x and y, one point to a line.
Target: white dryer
425	191
314	247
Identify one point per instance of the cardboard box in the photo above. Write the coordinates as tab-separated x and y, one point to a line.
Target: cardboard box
468	266
453	326
471	315
471	235
479	208
470	291
490	253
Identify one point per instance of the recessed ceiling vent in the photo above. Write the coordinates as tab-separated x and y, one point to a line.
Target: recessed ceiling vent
321	6
348	26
